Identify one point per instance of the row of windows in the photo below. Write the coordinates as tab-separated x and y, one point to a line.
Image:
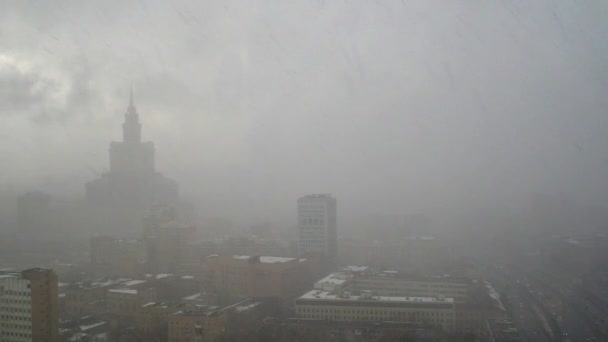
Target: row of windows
312	247
9	309
378	318
396	292
312	221
377	305
320	237
368	312
312	231
314	241
17	293
312	209
14	334
19	318
14	301
7	326
382	282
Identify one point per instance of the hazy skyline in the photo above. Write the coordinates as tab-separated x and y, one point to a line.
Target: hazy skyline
395	107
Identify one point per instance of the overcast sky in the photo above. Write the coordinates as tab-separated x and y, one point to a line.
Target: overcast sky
395	107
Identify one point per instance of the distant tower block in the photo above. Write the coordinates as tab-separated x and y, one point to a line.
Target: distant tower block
132	180
317	225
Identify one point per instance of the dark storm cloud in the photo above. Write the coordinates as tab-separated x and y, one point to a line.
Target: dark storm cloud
30	94
22	91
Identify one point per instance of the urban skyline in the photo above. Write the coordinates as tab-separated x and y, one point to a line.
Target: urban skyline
306	170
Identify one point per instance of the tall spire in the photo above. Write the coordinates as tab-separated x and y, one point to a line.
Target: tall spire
131	128
131	96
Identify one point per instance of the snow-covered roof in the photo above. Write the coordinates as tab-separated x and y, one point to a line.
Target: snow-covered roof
107	282
134	282
336	278
91	326
271	260
155	304
242	308
126	291
356	268
194	296
316	294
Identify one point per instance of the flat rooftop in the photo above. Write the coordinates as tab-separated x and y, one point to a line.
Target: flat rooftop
355	268
134	282
161	305
324	295
194	296
334	279
10	275
124	291
99	283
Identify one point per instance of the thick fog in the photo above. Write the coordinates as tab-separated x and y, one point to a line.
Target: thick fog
395	107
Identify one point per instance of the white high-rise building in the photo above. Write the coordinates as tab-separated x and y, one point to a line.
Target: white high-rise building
317	225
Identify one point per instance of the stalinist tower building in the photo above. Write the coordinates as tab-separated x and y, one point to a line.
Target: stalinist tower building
132	181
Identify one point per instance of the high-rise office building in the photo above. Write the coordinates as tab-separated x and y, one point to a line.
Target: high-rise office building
317	225
29	306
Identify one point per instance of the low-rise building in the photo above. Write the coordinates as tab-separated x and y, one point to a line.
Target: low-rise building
88	298
366	306
201	299
237	322
392	283
356	294
152	320
117	257
124	303
88	328
324	330
257	276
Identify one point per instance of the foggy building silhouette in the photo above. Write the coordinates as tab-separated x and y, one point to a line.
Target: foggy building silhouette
317	225
132	179
34	214
166	239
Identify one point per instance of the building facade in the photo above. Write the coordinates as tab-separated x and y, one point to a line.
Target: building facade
152	320
236	322
339	297
87	298
29	306
125	303
117	257
455	305
239	276
166	239
317	225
